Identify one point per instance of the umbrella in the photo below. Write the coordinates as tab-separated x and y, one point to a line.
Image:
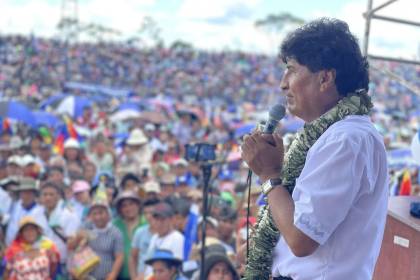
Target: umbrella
154	117
52	100
73	105
44	118
125	114
18	111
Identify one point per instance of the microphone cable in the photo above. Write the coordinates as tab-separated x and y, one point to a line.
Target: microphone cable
248	212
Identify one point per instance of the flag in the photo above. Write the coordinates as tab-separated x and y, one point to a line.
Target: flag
71	131
59	144
405	186
6	127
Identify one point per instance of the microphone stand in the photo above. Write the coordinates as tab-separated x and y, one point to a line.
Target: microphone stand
206	168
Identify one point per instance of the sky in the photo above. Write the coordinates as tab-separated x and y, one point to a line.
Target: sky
218	24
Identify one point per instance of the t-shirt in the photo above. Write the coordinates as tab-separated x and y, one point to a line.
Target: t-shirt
173	241
340	200
141	241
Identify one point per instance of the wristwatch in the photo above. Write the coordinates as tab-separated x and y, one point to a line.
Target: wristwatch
268	185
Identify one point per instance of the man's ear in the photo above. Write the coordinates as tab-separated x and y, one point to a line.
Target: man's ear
327	79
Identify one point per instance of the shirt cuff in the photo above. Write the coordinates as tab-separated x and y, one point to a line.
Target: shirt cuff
311	227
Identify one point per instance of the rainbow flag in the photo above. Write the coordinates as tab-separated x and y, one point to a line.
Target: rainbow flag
405	186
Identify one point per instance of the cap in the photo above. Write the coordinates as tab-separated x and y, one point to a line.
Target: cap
163	255
149	127
27	160
151	186
168	179
71	144
163	210
15	159
180	162
27	184
126	195
80	186
28	220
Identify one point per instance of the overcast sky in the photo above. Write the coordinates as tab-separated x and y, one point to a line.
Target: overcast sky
218	24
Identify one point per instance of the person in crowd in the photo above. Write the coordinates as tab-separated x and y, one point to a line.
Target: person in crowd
227	226
218	266
61	220
130	182
165	266
141	241
73	152
103	238
128	206
81	199
31	255
139	152
166	237
56	174
102	155
26	206
167	184
89	171
152	190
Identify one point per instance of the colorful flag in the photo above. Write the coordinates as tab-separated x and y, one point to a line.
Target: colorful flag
405	186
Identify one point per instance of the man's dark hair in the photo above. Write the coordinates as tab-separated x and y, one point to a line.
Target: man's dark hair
326	44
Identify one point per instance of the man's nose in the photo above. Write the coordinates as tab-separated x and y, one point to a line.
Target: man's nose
284	84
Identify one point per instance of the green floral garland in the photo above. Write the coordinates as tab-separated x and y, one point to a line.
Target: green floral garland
266	235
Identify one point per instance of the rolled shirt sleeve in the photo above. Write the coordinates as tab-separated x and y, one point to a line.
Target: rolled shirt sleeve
327	186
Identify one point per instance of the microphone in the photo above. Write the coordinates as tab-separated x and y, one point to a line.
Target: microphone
277	112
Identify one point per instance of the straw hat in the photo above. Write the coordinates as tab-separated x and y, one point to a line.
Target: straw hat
137	137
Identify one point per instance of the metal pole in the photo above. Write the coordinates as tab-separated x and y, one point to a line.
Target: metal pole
382	6
367	27
386	58
397	20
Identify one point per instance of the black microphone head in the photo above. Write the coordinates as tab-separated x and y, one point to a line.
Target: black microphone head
277	112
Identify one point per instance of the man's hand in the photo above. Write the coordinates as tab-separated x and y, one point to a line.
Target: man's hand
264	154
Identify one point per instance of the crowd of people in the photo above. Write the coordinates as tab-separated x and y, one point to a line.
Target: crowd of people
131	207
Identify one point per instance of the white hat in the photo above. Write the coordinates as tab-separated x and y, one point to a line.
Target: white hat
181	161
15	159
71	143
151	186
149	127
137	137
16	142
27	159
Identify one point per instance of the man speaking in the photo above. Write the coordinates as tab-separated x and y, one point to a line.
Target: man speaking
327	197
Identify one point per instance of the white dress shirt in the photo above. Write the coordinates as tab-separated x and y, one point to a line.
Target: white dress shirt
341	200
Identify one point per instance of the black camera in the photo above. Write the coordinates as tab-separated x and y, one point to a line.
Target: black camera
200	152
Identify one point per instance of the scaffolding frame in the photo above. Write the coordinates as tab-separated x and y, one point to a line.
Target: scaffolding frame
369	16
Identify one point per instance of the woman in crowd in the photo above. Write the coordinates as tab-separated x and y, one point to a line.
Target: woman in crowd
31	255
165	266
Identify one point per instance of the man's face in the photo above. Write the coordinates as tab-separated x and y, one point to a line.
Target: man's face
56	176
162	272
166	189
27	197
89	172
301	88
163	224
226	228
99	216
129	209
49	197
